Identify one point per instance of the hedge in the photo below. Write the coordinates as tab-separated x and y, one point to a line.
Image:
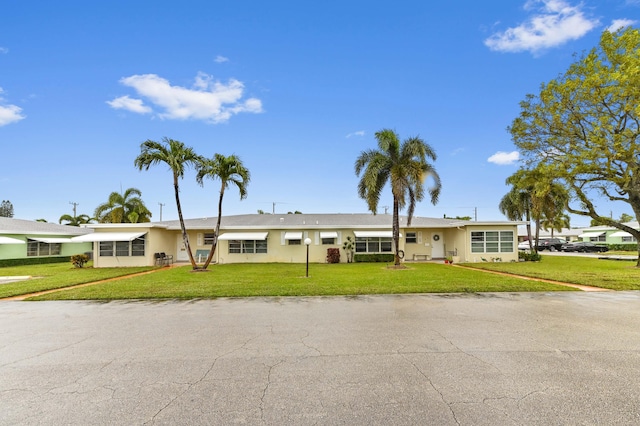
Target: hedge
374	257
34	261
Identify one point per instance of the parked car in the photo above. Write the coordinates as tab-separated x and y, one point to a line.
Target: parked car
552	244
584	247
524	245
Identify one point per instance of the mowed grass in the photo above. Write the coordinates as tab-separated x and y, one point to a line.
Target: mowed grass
57	275
248	280
611	274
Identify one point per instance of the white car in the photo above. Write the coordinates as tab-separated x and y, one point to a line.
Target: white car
524	245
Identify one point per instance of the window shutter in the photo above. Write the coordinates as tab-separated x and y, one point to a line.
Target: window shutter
420	237
200	239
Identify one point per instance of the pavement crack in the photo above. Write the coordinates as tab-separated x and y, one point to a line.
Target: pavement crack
266	388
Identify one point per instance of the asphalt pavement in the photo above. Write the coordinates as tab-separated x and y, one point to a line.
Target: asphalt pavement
451	359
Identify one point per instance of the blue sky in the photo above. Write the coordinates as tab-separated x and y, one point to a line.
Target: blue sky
296	89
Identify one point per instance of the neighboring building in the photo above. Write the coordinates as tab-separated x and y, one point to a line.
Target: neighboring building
21	239
609	234
256	238
568	234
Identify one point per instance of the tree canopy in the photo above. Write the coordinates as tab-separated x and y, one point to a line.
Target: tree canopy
582	129
6	209
126	207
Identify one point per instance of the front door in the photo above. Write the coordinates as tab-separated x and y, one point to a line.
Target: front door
181	251
437	245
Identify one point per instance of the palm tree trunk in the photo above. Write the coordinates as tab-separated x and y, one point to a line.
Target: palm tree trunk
217	231
396	231
185	236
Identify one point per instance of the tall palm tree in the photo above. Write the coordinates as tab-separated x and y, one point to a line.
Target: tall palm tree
229	170
516	205
75	221
404	165
126	207
178	157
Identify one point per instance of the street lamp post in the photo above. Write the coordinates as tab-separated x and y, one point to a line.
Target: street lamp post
307	242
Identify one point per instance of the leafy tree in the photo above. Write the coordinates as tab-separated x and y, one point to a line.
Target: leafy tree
458	217
126	207
555	223
178	157
516	205
75	221
404	166
582	129
6	209
229	170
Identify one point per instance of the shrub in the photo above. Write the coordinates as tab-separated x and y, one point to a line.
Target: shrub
333	255
374	257
33	261
78	260
529	257
623	247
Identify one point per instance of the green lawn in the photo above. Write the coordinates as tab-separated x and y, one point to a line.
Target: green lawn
243	280
56	275
611	274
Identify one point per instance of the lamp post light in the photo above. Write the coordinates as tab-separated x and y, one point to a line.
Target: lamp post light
307	242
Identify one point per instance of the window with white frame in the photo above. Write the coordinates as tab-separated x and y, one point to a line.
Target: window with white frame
412	237
629	239
247	246
208	238
599	238
492	241
373	245
39	248
122	248
328	241
294	242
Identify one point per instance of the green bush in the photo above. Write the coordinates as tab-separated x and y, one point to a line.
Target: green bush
374	257
623	247
34	261
78	260
529	257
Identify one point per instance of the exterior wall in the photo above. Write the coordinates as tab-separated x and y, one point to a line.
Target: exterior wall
470	256
156	240
19	251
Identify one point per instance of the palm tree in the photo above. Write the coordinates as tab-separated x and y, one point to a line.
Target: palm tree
516	205
178	157
75	221
229	170
404	165
126	207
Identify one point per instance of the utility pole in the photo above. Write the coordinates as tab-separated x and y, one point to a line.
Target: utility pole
74	208
475	213
160	204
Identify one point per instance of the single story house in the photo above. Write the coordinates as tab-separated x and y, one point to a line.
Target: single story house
609	234
568	234
23	239
255	238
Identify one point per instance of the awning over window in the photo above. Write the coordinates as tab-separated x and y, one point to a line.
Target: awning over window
621	234
107	236
52	240
374	234
245	236
293	235
9	240
591	234
328	235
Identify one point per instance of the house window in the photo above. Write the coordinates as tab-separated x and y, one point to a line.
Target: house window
208	238
328	241
247	246
492	242
295	242
600	238
373	245
630	239
412	237
38	248
122	248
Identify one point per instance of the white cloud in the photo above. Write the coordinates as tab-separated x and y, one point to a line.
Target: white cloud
9	113
220	59
555	23
208	100
133	105
616	24
4	50
358	133
504	158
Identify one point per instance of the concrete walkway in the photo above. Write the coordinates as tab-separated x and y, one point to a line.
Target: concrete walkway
449	359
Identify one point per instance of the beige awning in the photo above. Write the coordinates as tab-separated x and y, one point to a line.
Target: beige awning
293	235
9	240
244	236
107	236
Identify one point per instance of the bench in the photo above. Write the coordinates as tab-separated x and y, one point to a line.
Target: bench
417	256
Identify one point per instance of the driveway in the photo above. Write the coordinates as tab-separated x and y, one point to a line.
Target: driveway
507	359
